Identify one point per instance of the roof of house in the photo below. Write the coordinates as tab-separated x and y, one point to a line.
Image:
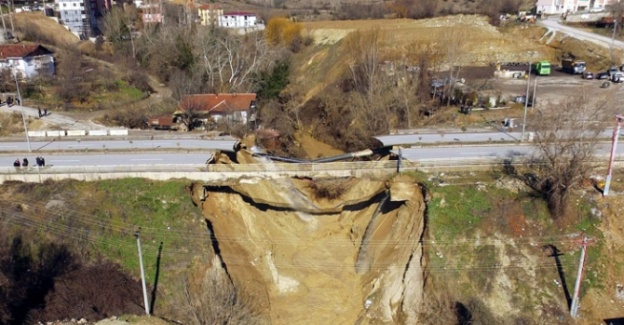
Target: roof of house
217	103
238	13
21	50
209	7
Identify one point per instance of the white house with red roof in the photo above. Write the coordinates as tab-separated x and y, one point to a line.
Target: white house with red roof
237	19
235	107
26	60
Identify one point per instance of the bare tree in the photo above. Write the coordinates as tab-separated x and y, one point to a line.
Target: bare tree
565	137
370	82
117	25
72	80
454	44
210	297
405	87
230	61
439	305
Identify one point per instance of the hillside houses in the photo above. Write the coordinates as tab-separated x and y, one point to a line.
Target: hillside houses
79	16
237	19
233	108
550	7
26	60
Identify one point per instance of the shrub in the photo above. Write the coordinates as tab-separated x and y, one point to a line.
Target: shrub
329	189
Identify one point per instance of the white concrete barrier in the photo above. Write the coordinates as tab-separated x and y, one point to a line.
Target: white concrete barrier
36	133
98	132
73	133
55	133
118	131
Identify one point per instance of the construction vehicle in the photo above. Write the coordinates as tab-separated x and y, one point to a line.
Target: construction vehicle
541	68
573	66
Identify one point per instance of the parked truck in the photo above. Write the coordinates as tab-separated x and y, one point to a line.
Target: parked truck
541	68
573	66
170	122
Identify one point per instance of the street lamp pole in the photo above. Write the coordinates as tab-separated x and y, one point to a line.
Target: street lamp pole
615	23
3	22
11	9
526	99
19	96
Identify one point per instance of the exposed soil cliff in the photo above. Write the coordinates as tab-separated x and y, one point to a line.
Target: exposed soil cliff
354	259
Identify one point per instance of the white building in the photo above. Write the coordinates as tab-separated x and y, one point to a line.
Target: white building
237	19
209	14
551	7
26	60
77	15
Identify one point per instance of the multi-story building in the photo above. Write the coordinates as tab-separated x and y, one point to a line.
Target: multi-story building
77	15
209	14
563	6
151	12
237	19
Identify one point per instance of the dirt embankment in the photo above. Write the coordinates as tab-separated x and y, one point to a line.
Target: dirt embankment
354	259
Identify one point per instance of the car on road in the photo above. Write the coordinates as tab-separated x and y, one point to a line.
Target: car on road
617	77
587	75
602	76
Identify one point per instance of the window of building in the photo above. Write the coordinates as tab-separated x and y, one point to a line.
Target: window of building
64	5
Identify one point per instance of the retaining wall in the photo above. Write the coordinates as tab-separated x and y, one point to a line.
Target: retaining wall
74	133
211	173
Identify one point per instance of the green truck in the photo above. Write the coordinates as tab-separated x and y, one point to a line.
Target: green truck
541	68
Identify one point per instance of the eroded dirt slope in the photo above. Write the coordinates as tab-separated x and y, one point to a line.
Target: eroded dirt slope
310	260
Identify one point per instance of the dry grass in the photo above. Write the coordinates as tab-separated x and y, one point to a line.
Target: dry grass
482	41
329	189
11	123
49	28
325	62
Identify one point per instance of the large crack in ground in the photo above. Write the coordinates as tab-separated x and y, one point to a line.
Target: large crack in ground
293	265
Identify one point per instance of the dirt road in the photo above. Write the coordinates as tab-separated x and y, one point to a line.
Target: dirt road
553	24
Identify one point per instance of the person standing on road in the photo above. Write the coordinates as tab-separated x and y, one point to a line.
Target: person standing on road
16	163
39	109
25	162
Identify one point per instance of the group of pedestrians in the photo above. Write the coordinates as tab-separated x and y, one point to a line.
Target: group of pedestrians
44	113
10	101
40	161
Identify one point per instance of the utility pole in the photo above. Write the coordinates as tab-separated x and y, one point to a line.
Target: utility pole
11	10
3	22
615	23
579	278
534	93
614	142
400	161
526	98
147	310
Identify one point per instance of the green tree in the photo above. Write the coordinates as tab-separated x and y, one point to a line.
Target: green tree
271	82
